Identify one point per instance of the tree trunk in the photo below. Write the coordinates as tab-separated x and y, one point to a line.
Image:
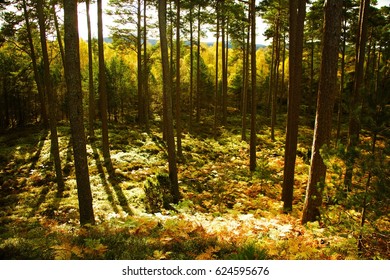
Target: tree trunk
224	76
311	89
73	81
297	18
282	90
37	77
55	150
140	83
342	70
276	81
246	81
271	80
253	137
191	66
103	91
198	82
91	95
178	82
216	95
356	98
58	32
167	93
145	78
326	95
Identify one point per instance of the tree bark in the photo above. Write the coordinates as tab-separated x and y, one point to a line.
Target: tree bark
224	76
356	98
58	32
271	80
37	77
145	78
246	81
167	93
198	82
191	66
282	90
140	83
253	136
276	78
91	87
342	78
216	95
73	81
178	83
55	150
103	91
326	95
297	18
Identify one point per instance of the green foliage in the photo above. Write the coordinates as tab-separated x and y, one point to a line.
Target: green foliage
250	251
158	193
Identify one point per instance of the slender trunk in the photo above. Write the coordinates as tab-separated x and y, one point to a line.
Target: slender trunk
246	82
216	95
198	82
365	198
37	77
271	79
103	91
340	103
356	98
282	95
73	81
311	89
178	83
167	93
373	144
191	66
253	137
225	78
171	54
55	150
91	87
326	95
145	78
223	42
58	32
276	84
140	83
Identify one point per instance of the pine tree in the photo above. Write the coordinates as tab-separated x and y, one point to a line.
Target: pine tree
73	81
326	95
297	18
167	95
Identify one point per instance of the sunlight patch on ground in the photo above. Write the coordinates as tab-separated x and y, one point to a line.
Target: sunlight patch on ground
231	227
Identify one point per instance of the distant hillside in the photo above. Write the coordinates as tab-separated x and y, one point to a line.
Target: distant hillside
153	42
258	46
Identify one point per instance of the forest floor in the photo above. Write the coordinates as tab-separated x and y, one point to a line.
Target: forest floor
226	211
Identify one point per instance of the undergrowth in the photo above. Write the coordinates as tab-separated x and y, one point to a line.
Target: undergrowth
226	212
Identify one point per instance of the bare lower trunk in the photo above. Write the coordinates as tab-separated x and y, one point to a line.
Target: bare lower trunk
167	94
73	81
326	95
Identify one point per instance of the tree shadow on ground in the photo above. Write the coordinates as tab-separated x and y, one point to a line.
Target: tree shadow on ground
44	181
111	185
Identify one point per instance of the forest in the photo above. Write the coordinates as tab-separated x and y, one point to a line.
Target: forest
180	137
